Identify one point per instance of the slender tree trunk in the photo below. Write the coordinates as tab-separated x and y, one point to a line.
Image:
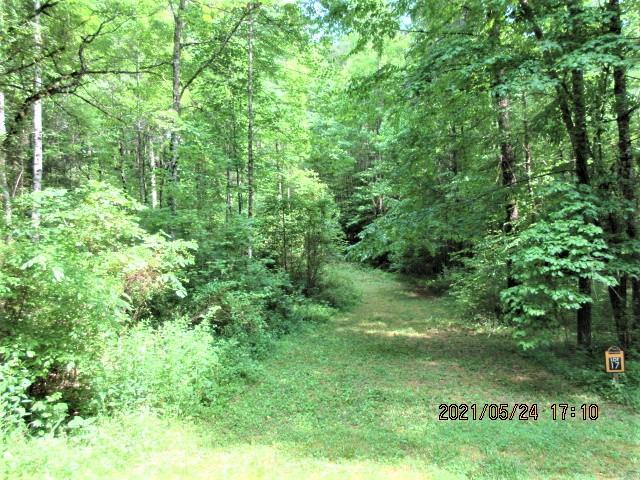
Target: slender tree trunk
140	162
283	215
228	182
139	153
507	153
176	98
37	117
228	199
4	174
164	158
581	153
121	164
626	182
507	161
250	117
239	189
526	145
152	173
577	130
232	163
24	149
238	167
4	183
599	112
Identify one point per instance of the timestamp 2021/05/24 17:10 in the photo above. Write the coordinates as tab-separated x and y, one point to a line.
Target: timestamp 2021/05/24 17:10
516	411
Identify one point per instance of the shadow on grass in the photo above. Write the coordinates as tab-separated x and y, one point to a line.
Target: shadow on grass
476	355
367	386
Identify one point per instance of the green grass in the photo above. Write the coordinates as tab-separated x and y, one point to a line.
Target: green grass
358	398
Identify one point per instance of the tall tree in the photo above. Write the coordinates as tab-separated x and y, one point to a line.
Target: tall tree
37	113
250	117
153	181
626	180
176	104
507	152
571	102
581	156
4	184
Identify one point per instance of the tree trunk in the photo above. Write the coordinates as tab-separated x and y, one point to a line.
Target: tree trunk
121	167
577	130
23	151
152	173
142	174
140	157
37	117
283	212
507	161
239	189
163	159
228	200
581	154
235	157
526	145
176	98
250	119
4	183
625	179
507	153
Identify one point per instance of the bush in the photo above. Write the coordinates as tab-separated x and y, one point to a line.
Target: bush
14	381
174	368
243	300
312	313
547	257
69	285
477	285
438	285
336	289
301	229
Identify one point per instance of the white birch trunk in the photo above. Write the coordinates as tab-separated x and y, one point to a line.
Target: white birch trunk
4	183
37	116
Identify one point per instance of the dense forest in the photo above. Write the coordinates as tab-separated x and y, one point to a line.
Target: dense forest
191	186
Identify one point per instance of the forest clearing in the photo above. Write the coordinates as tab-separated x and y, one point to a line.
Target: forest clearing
358	398
319	239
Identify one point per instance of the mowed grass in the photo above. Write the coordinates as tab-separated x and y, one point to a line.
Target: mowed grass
357	398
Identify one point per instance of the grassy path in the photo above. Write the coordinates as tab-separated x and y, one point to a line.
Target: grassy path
358	398
363	391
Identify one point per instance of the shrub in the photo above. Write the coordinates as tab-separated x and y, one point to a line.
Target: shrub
548	257
438	285
175	368
301	229
68	285
14	381
336	289
477	285
312	313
